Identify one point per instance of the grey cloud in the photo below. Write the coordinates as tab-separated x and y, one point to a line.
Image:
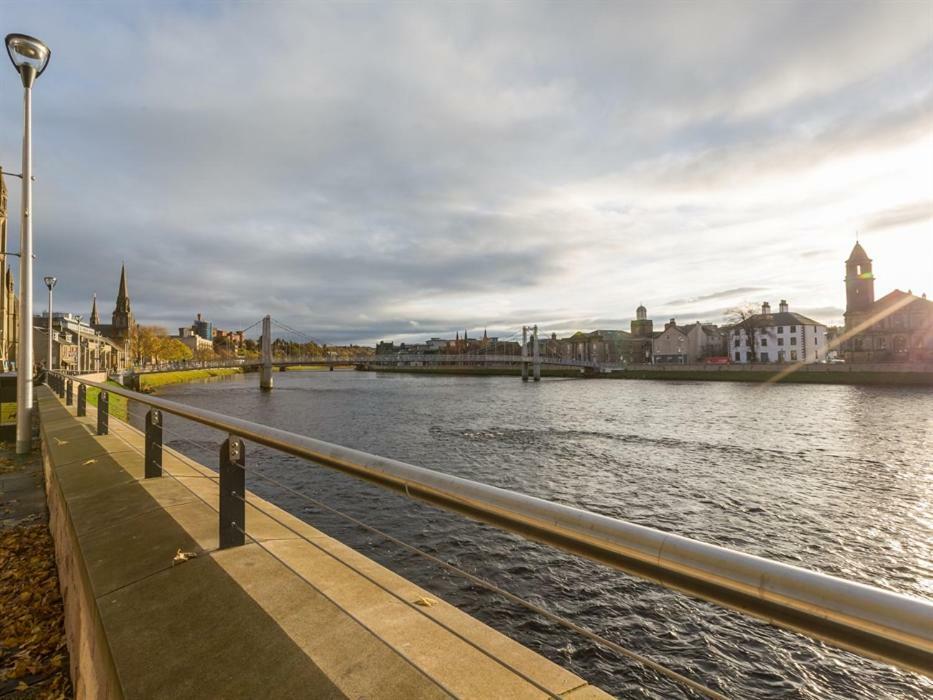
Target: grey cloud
906	215
737	291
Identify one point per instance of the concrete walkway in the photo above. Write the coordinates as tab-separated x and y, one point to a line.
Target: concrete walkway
299	615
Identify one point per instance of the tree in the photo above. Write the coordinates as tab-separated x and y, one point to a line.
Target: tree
204	354
741	318
174	350
150	343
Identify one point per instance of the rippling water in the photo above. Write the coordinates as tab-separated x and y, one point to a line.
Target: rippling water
833	478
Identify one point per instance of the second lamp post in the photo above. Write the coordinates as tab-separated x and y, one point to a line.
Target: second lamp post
50	283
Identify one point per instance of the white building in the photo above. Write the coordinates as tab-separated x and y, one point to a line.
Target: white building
780	337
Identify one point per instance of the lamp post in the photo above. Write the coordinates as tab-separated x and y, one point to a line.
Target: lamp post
78	363
50	283
30	58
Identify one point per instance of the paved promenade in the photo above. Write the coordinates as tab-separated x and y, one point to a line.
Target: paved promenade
308	618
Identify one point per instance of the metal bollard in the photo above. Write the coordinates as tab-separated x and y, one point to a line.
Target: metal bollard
153	443
82	400
69	393
232	492
103	406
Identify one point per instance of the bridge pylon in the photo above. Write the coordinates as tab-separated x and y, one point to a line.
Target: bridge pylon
536	353
265	371
524	353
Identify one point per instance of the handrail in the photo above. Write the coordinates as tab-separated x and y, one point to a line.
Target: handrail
870	621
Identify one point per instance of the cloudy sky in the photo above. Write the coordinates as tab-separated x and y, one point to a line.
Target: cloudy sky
368	171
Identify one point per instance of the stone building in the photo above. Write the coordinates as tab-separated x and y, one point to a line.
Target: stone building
71	336
9	304
782	337
610	347
642	337
898	327
670	345
704	341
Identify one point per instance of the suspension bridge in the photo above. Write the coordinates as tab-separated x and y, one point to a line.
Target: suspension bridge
528	357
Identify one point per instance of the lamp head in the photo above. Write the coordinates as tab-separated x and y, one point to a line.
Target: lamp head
29	56
49	282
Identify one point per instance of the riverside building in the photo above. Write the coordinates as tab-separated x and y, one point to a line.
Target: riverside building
898	327
777	337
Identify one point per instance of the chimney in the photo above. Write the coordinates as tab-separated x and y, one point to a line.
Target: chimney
766	308
672	323
783	306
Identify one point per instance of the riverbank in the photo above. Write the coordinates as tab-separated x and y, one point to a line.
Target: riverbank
867	378
475	371
808	374
148	383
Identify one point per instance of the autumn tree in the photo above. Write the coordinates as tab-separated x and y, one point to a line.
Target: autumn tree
150	343
174	350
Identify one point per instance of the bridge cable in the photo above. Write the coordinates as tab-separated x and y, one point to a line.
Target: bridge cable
248	328
670	674
289	329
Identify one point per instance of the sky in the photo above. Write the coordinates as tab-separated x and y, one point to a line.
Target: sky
403	170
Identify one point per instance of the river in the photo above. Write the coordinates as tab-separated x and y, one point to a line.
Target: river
838	479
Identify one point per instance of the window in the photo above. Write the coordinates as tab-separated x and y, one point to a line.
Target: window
764	357
780	329
764	342
737	341
793	329
780	341
748	342
793	355
738	357
793	341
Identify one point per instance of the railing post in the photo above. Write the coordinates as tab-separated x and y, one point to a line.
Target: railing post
60	381
153	443
103	406
82	400
69	393
232	493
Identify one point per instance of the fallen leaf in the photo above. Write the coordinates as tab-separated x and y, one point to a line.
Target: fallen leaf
181	557
90	461
425	602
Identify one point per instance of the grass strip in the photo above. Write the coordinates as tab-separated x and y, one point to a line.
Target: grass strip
150	382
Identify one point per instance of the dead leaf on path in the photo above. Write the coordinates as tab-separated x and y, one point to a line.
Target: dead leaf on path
181	557
426	602
90	461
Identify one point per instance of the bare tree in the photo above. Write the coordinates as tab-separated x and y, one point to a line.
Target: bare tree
741	318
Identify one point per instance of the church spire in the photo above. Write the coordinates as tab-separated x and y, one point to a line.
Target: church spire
95	317
123	322
123	296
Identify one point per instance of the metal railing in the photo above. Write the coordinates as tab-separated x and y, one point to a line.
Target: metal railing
870	621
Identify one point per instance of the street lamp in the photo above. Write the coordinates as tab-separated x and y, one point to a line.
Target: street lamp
50	283
78	363
30	58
